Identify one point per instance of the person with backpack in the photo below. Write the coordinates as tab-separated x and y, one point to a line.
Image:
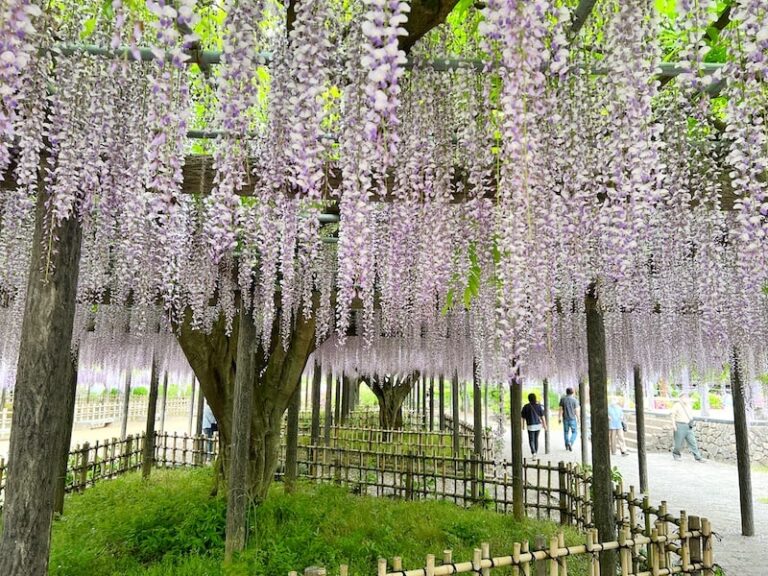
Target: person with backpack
534	420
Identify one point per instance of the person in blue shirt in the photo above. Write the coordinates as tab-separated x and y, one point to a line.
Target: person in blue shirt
569	416
616	426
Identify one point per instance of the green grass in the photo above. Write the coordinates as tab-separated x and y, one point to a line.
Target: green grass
171	526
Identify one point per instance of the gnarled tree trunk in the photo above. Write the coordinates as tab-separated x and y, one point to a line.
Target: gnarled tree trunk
391	391
213	358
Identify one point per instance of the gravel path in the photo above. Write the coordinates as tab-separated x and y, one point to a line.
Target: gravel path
710	490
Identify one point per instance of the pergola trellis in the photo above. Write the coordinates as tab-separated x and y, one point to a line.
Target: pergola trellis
198	179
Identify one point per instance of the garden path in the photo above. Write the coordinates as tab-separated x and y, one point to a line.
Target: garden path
710	490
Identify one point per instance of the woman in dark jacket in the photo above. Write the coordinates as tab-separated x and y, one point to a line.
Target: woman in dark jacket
534	420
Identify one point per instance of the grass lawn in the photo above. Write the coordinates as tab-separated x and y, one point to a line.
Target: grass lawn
171	526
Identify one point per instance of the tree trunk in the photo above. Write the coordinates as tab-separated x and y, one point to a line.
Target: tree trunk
391	392
213	358
165	402
126	404
61	480
237	487
328	422
292	442
192	405
40	398
602	479
642	465
583	421
441	411
742	447
456	419
149	435
432	404
545	402
516	426
314	436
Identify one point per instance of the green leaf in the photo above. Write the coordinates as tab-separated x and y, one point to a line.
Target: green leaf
89	27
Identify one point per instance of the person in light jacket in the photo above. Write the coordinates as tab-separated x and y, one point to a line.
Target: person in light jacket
682	428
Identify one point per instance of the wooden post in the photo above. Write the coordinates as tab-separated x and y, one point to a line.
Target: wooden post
314	435
602	479
515	423
242	413
328	408
441	415
545	401
455	403
477	417
695	548
583	422
337	404
344	399
40	398
149	436
192	405
126	404
61	479
640	429
742	446
165	402
431	403
292	441
200	410
562	486
424	402
540	566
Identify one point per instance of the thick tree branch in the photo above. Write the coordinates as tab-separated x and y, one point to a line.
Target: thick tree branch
722	21
580	15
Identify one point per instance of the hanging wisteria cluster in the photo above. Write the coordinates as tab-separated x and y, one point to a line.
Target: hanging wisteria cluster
474	207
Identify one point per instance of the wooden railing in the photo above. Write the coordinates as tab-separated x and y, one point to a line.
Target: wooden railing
397	441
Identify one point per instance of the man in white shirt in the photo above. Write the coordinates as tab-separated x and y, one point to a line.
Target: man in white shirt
682	428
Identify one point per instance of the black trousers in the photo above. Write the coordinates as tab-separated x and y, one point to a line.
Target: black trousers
533	440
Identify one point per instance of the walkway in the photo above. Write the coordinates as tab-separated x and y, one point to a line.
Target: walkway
710	489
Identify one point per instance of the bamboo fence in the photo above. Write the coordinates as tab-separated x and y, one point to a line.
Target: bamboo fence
651	541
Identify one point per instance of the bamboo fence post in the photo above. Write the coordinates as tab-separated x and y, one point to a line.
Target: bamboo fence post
563	560
685	549
485	547
382	567
625	557
540	566
477	556
525	565
554	545
397	563
516	559
655	559
430	569
707	556
84	454
695	544
563	504
343	570
447	557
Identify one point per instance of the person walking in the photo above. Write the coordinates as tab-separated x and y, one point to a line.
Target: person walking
209	427
533	418
682	428
616	427
569	417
